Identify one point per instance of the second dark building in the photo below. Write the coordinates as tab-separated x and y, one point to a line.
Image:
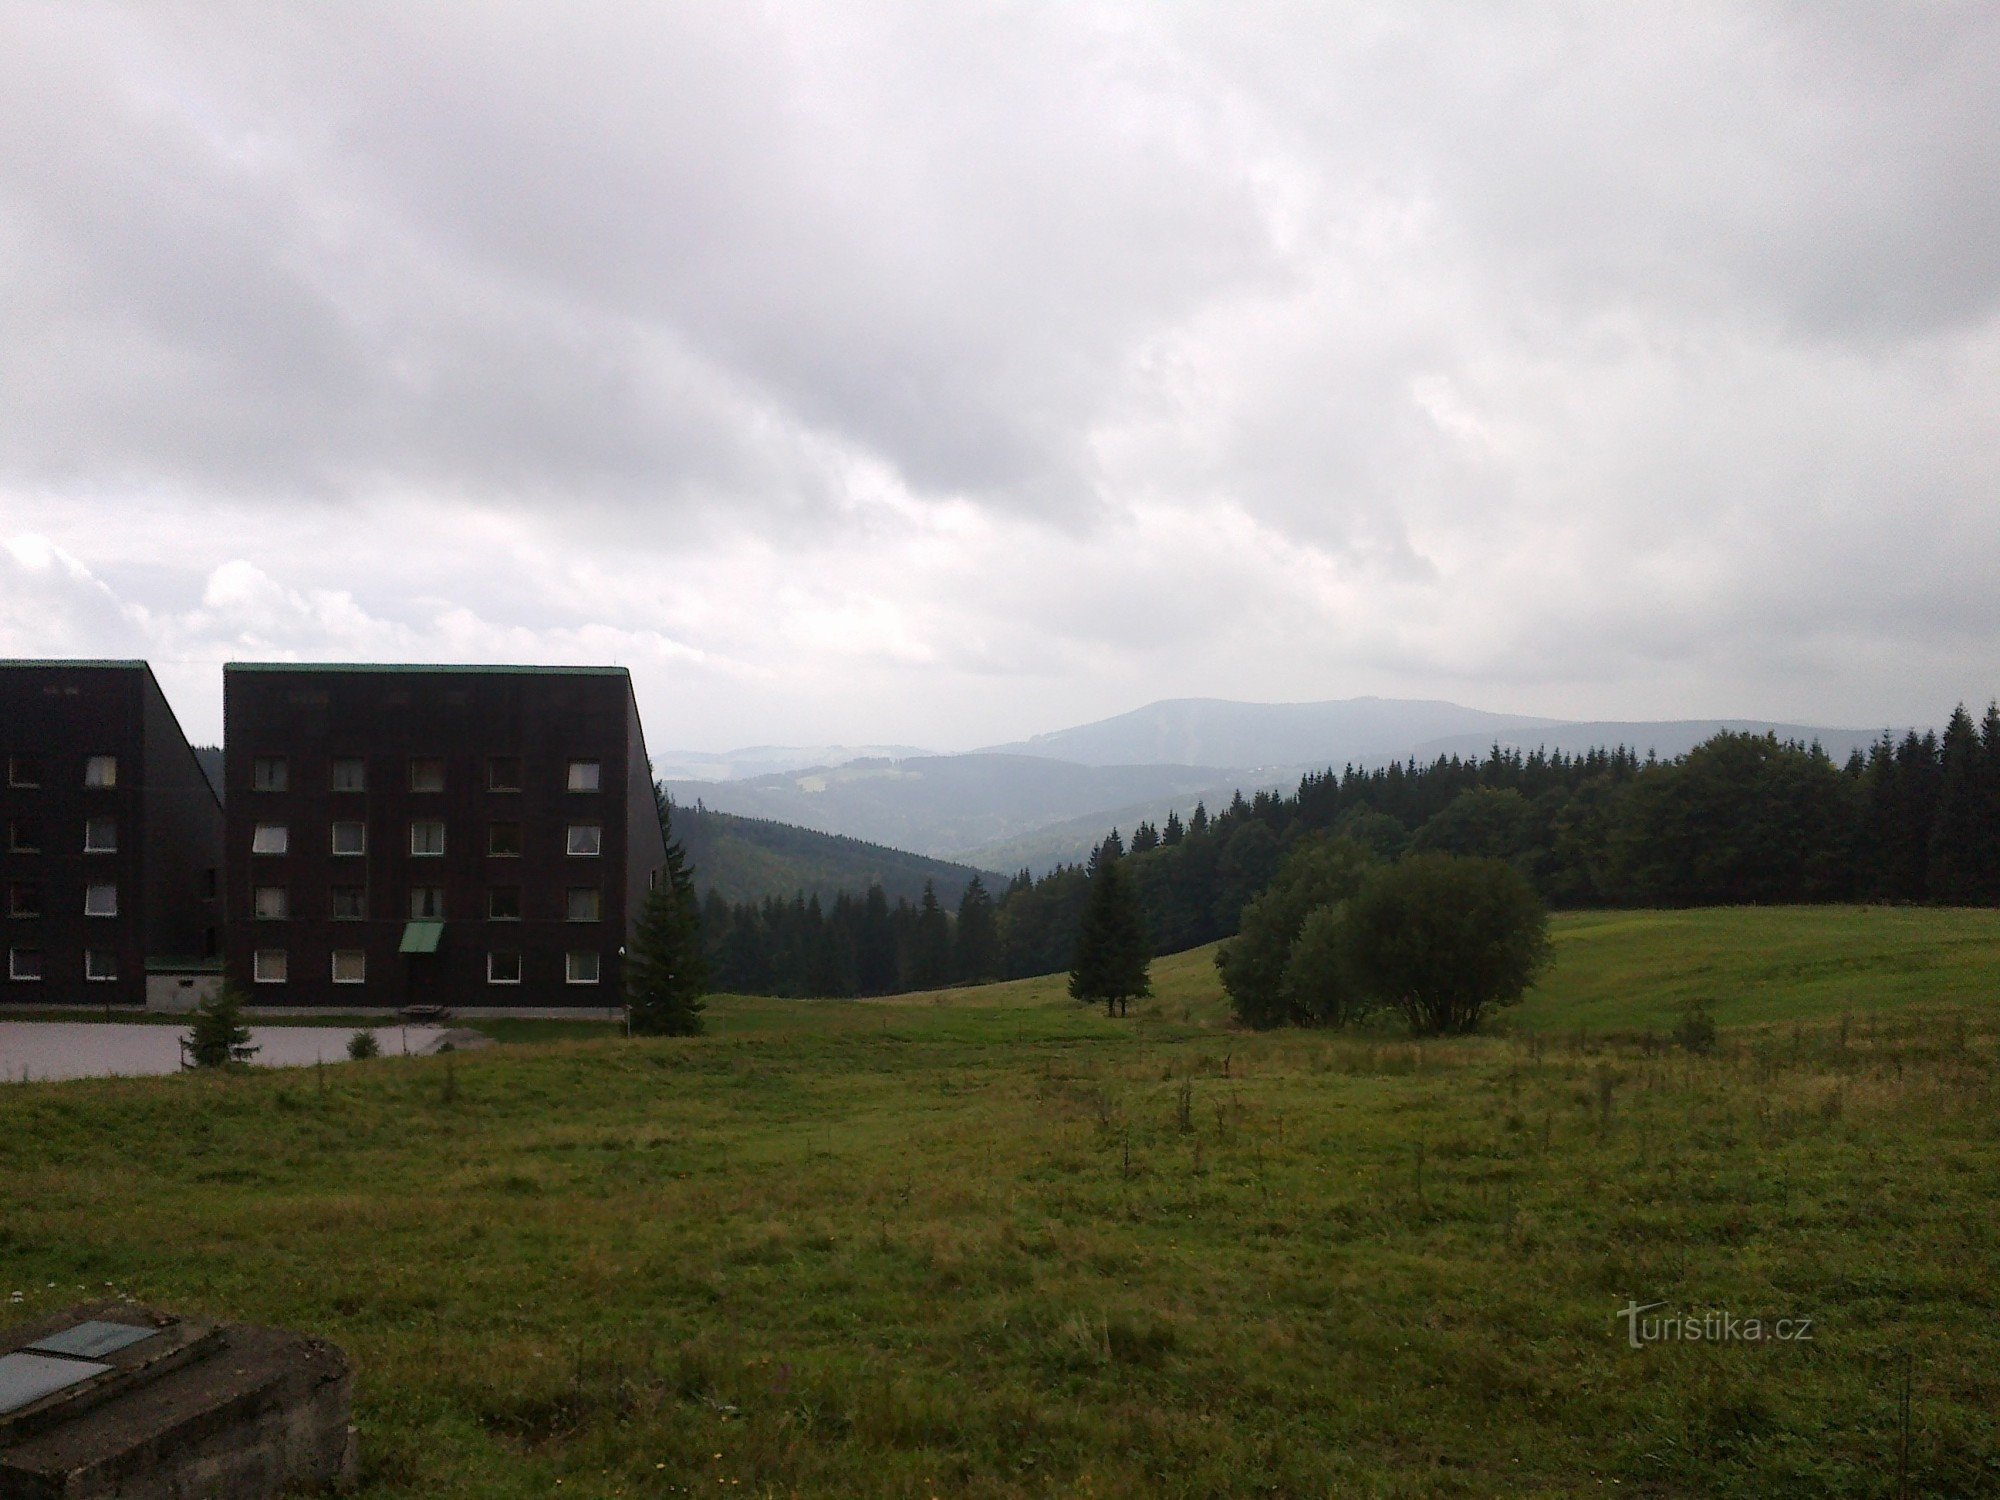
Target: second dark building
453	836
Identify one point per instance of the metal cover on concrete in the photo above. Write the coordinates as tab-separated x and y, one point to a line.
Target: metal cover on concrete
26	1378
92	1339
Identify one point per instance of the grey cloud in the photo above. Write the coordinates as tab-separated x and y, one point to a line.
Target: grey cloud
444	245
1579	344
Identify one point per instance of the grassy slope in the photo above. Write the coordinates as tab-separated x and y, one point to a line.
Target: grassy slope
968	1244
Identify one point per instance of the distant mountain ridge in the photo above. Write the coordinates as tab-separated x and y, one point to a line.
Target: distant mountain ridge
1665	738
1050	798
941	805
767	760
1221	732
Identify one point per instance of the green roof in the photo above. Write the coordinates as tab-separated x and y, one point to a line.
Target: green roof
183	966
421	937
416	667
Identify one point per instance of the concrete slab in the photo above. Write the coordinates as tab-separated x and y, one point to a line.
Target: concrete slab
196	1409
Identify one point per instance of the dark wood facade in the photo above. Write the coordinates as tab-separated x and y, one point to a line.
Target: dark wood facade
455	836
110	835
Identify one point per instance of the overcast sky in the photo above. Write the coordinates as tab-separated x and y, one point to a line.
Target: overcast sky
945	373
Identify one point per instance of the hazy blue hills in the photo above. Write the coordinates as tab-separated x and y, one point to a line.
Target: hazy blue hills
1049	799
1218	732
747	859
942	805
767	760
1665	738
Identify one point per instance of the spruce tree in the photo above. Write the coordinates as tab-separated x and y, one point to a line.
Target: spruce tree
977	942
875	945
667	972
1111	946
1957	853
1173	832
930	943
218	1036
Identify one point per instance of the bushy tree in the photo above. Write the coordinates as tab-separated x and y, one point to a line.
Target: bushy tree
1319	982
666	973
217	1037
362	1046
1443	938
1319	872
1111	948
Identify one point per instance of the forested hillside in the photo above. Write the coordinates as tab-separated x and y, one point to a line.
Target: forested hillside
748	859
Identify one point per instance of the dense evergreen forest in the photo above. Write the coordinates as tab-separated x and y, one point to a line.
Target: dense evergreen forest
1739	820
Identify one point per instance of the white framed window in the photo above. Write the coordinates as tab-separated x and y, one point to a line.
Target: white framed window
271	903
100	835
585	839
100	899
269	773
268	966
350	774
580	966
586	904
350	966
100	964
24	963
427	836
24	899
584	775
503	903
100	770
24	836
350	903
270	838
503	966
426	774
503	773
427	903
23	770
350	836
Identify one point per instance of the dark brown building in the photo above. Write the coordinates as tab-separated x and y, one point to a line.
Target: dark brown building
455	836
112	835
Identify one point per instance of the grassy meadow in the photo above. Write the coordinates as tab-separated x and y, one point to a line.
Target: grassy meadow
987	1242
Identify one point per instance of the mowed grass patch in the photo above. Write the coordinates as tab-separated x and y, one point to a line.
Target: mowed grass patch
1633	970
1020	1249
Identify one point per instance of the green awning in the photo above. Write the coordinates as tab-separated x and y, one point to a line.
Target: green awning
421	937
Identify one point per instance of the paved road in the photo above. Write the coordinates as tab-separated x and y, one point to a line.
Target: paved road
91	1049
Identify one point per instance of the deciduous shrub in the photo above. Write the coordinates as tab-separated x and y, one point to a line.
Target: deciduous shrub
1443	938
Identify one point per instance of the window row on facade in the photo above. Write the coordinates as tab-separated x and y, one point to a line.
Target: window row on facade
27	963
33	771
28	835
350	966
504	773
427	838
349	903
24	898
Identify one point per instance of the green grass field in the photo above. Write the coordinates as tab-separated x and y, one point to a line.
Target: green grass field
987	1242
